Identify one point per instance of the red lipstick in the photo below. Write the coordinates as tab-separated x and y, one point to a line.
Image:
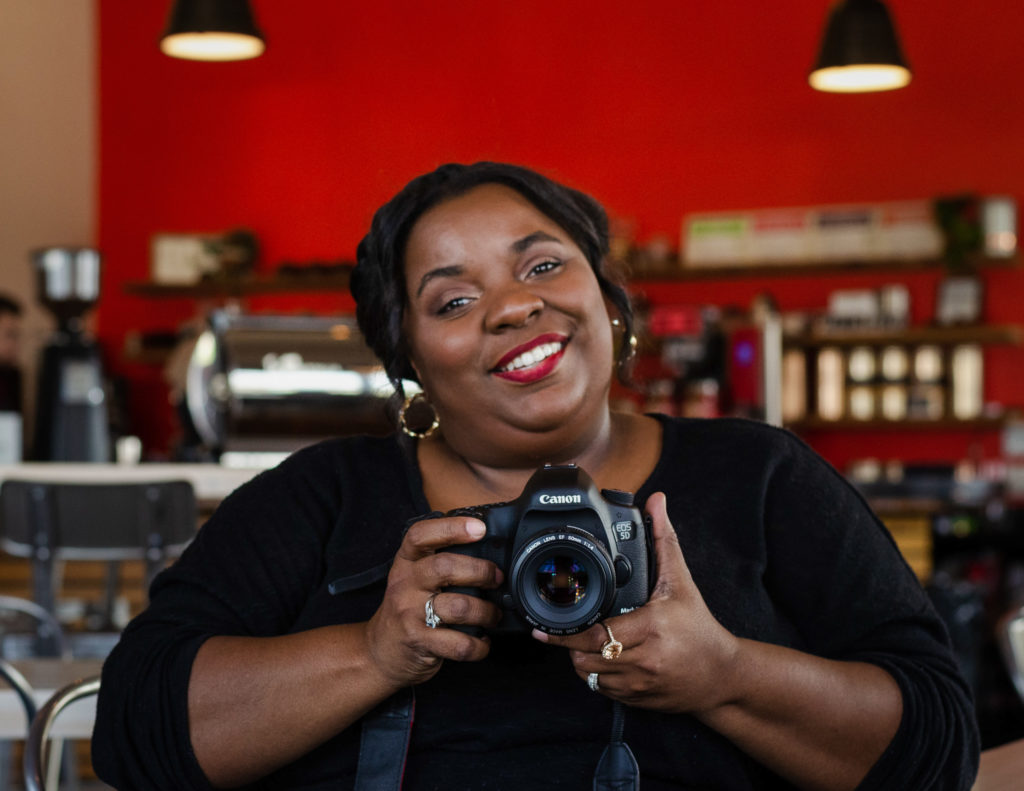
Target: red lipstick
535	371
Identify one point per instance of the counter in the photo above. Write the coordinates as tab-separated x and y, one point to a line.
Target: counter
1001	768
211	482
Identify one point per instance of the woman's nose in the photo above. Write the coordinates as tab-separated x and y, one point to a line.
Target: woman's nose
513	306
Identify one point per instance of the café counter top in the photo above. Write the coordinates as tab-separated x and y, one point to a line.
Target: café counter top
211	482
1002	768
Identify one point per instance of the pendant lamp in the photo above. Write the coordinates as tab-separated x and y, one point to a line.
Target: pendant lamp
860	51
217	30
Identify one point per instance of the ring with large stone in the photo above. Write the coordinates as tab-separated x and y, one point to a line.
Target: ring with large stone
612	649
592	683
433	619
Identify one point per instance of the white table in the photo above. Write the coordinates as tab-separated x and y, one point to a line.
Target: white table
1002	768
46	676
211	482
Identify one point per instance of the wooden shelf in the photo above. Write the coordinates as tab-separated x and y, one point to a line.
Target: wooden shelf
244	286
944	424
673	270
906	506
1005	334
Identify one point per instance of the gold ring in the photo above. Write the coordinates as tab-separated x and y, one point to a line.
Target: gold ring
613	648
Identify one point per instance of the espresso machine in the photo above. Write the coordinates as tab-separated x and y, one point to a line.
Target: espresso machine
251	388
72	422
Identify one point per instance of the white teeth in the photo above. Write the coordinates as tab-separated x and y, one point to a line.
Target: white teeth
533	356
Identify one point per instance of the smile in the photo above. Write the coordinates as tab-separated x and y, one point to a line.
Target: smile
533	356
532	361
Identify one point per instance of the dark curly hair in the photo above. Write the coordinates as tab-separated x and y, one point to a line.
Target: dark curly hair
378	280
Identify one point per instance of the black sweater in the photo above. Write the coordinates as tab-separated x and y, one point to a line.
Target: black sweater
781	547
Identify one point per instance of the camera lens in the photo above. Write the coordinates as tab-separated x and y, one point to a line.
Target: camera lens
562	580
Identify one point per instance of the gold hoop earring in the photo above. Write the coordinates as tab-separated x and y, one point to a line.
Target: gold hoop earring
633	343
631	340
411	432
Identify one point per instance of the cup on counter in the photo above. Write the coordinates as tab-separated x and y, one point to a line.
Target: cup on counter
128	450
999	226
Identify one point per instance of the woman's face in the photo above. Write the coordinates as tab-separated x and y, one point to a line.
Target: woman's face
507	327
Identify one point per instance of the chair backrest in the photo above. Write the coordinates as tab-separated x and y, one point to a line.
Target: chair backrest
49	521
35	758
90	521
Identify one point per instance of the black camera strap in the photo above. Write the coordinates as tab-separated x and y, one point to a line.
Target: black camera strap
387	729
617	770
384	743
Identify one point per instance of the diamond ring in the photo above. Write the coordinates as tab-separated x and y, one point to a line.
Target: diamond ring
612	649
433	619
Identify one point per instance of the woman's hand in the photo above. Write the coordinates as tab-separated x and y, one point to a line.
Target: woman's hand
676	656
256	704
401	645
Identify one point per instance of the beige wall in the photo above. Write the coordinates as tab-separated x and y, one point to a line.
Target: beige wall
48	143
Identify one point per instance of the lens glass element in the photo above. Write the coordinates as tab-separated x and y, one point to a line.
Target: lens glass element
562	580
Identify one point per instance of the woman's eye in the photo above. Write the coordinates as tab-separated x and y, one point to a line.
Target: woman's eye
454	304
545	266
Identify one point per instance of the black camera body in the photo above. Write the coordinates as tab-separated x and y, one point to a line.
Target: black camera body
572	555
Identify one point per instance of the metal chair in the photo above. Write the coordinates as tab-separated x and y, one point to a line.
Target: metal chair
45	637
50	639
20	685
39	734
50	522
26	695
1011	641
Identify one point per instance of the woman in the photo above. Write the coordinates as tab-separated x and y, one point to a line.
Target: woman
785	643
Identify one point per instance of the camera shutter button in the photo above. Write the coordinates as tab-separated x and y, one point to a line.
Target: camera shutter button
623	571
618	497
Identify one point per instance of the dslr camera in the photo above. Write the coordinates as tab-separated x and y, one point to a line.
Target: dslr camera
571	554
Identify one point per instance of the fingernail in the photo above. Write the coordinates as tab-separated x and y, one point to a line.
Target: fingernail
537	634
475	529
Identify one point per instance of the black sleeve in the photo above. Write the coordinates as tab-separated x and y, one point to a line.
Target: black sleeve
248	572
834	568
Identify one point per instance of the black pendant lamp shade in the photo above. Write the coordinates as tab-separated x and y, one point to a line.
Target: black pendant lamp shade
212	30
860	51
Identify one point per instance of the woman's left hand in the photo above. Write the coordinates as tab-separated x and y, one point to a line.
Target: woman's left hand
676	657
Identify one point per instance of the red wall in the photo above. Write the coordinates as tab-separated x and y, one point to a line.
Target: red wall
657	107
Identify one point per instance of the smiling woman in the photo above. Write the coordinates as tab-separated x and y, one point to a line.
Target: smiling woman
506	327
753	627
380	289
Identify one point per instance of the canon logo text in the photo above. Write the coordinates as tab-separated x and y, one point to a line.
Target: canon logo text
558	499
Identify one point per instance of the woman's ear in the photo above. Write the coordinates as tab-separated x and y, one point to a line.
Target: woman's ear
405	351
611	309
415	370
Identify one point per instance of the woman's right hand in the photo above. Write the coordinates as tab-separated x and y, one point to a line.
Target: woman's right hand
256	704
401	645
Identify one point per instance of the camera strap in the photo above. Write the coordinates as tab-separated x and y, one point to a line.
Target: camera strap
384	743
617	770
386	731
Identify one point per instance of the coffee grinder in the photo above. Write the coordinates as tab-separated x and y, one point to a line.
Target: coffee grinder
71	422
